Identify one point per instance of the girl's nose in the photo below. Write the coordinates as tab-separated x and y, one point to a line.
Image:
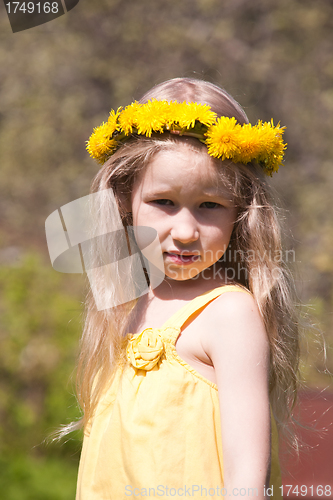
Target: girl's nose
185	227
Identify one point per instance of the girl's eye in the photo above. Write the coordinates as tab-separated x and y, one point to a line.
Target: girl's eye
163	202
211	204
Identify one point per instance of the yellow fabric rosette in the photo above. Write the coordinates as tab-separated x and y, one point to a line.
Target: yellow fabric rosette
144	350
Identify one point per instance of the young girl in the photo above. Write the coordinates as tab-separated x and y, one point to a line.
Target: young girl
184	389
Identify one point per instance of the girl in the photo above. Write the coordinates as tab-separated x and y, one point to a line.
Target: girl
185	388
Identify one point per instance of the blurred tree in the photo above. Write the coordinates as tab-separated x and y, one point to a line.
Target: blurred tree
39	332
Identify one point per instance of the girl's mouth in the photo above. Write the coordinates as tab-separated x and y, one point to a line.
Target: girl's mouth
181	258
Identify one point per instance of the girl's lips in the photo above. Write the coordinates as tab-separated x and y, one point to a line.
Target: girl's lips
181	258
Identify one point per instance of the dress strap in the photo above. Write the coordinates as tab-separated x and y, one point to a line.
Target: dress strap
192	307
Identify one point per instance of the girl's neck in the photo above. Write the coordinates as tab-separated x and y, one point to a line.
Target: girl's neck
185	290
155	307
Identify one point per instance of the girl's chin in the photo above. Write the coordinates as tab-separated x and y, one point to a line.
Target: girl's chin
181	274
184	274
180	278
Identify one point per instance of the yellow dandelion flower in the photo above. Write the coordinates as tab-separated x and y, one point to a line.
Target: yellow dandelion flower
191	112
223	138
151	117
100	143
249	144
171	114
167	112
128	118
113	120
272	145
267	137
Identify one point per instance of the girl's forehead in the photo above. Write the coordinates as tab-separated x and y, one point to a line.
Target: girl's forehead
184	167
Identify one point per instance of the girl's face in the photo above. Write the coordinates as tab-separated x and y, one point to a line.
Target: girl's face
180	196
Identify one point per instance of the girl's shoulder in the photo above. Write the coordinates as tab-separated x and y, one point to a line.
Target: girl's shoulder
234	297
233	322
231	299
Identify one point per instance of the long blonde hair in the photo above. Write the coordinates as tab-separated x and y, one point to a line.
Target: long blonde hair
255	239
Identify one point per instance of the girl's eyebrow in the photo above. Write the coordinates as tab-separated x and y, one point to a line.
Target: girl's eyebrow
220	193
210	193
217	192
158	192
204	192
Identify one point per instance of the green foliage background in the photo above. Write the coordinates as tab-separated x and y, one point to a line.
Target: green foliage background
57	82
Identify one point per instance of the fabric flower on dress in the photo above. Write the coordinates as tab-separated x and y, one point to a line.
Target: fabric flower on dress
144	350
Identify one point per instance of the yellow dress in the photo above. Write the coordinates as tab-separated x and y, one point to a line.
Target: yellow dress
157	430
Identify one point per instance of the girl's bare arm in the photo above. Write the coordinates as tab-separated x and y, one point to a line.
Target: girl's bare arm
237	344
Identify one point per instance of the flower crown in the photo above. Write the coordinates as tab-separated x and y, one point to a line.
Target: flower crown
224	137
